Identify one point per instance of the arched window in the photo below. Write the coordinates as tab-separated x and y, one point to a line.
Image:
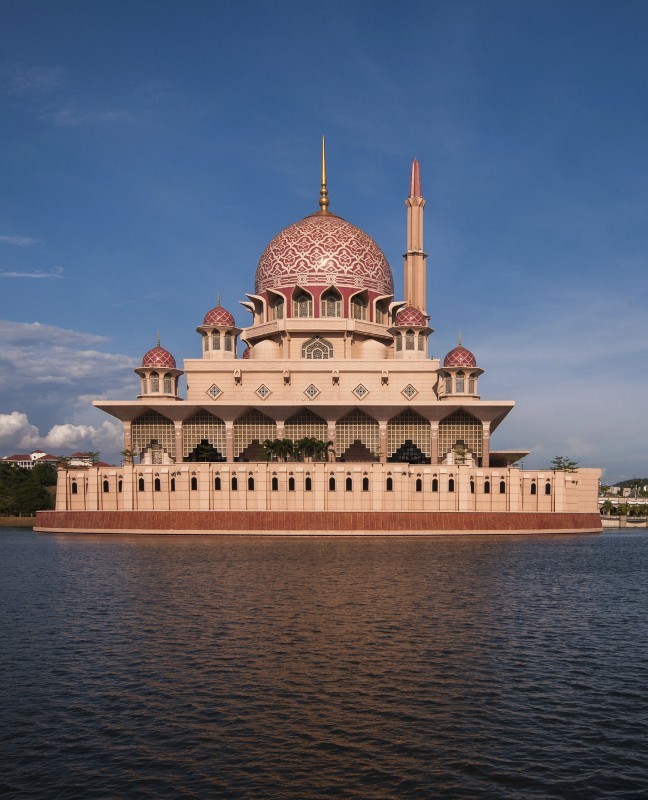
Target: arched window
277	308
275	484
234	483
365	484
291	484
194	483
157	485
389	484
348	485
251	484
409	340
399	342
172	484
217	483
487	487
120	485
155	382
331	303
331	484
380	314
168	385
317	349
448	384
451	485
471	384
421	341
228	341
502	487
302	304
472	486
74	487
216	340
534	488
461	382
435	484
308	484
140	485
106	486
419	485
358	307
547	488
144	388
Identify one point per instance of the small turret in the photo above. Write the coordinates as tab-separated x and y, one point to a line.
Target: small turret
158	375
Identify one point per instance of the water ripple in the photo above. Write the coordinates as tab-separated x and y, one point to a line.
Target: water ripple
191	667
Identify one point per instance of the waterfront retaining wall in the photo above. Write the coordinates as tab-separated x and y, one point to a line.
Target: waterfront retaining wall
314	523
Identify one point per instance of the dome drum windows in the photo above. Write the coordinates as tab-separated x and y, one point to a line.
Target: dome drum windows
302	304
331	303
359	307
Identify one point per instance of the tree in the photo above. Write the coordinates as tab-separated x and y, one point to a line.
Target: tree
129	455
563	464
92	456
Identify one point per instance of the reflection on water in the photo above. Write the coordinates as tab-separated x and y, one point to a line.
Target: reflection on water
490	667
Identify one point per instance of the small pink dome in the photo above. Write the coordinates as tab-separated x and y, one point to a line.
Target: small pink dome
246	353
411	316
219	316
159	357
460	357
321	250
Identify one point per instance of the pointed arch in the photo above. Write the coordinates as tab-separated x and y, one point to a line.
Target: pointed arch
153	435
409	438
460	427
302	303
203	437
357	437
331	303
305	425
250	429
358	305
317	349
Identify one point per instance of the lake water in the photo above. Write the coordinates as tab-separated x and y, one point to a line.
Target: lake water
243	667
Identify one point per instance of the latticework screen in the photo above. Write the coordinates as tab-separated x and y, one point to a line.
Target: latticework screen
408	425
153	427
357	426
253	425
304	425
460	427
203	426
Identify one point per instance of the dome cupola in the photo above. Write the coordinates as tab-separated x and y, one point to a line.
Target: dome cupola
459	374
219	333
410	331
158	375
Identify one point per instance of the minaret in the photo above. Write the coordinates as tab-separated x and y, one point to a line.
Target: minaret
414	256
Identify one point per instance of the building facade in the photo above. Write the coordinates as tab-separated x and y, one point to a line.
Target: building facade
333	358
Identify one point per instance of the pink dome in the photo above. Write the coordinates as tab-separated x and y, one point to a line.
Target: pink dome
460	357
321	250
159	357
219	316
246	353
411	316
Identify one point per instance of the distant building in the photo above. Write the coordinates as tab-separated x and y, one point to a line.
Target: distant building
29	460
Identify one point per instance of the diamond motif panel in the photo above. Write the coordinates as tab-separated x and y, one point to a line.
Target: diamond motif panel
263	391
214	391
409	391
311	391
360	391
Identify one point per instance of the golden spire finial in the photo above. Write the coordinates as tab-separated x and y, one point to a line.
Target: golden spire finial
158	338
323	201
460	345
218	305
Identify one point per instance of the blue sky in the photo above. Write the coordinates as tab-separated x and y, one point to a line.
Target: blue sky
150	150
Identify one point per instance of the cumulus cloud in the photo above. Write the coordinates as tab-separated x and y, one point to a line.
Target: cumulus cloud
17	433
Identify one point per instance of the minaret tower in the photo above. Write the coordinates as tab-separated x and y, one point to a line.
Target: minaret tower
414	256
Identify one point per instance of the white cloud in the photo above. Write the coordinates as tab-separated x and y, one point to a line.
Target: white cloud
16	432
48	275
21	79
19	241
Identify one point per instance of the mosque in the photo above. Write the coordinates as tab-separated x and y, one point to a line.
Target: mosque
326	414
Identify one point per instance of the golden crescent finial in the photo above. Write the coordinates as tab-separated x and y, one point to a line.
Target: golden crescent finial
323	201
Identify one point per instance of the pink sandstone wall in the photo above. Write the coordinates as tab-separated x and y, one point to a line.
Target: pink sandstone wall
324	522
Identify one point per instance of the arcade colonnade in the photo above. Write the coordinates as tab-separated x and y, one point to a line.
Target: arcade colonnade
405	437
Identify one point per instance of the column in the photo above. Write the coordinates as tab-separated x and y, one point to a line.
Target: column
179	455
